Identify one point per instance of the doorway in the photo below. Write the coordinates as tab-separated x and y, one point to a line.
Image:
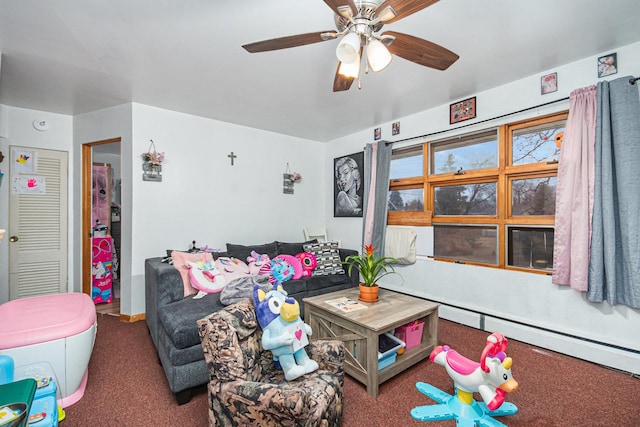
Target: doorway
101	215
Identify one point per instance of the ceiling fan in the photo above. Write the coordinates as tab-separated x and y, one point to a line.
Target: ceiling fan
358	28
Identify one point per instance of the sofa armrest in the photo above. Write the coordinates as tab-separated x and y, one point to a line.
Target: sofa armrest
354	277
163	281
329	354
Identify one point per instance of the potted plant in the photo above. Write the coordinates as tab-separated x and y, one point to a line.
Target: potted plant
371	270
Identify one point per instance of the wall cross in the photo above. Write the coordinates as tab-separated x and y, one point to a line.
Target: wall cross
232	157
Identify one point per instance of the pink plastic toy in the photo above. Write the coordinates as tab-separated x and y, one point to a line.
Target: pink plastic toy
491	378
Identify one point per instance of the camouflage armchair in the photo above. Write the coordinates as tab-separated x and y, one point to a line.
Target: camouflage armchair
246	389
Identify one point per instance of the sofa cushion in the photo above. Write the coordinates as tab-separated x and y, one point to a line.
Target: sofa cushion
316	283
179	318
293	248
180	262
327	256
242	252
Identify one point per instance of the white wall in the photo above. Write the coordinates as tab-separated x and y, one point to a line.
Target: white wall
19	131
519	297
98	126
201	195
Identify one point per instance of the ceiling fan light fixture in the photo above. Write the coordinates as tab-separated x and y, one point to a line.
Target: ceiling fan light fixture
348	48
386	14
378	55
351	69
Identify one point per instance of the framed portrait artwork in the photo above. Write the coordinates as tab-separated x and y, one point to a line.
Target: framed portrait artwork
607	65
462	110
549	83
348	185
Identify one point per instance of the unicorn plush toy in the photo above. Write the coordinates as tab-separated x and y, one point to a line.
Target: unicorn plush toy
205	277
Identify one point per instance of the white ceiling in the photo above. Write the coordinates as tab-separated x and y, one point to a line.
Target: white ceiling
76	56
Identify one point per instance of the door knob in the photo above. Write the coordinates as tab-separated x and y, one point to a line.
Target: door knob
13	238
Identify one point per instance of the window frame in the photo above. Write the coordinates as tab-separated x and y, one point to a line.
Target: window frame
504	175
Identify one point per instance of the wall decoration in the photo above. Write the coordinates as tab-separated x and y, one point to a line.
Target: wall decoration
395	128
348	185
24	161
607	65
28	184
289	178
462	110
152	164
377	134
232	157
549	83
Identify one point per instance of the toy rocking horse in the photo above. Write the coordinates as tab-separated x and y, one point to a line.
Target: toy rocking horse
491	378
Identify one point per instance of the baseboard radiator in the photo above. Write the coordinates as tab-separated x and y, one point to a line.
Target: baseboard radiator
626	360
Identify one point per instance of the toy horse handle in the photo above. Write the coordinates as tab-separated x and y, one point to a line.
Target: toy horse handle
496	342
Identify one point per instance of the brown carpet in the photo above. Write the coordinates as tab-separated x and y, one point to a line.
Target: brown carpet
127	387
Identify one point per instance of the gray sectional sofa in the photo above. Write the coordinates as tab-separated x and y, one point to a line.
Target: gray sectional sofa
171	317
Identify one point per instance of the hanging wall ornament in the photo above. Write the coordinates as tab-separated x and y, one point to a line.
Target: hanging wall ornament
152	164
287	181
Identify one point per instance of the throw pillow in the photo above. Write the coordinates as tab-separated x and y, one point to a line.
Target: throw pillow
243	252
232	268
327	258
294	263
180	262
292	248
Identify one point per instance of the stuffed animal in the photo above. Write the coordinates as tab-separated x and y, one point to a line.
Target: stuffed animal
308	262
232	268
283	332
281	271
205	277
259	264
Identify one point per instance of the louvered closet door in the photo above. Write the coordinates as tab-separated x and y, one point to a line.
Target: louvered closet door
38	226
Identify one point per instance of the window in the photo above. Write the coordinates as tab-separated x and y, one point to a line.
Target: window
489	195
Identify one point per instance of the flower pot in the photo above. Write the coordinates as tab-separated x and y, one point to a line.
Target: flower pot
368	293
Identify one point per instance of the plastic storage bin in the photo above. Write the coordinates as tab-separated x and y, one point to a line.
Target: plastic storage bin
388	346
411	333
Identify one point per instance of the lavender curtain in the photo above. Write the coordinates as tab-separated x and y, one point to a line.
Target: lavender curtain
377	159
574	192
614	268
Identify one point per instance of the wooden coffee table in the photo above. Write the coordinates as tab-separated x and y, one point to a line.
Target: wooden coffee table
359	330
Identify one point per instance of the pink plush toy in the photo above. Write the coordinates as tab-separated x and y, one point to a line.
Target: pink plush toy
308	262
205	277
259	264
295	264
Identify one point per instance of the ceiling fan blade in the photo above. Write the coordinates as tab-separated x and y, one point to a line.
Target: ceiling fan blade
405	8
335	6
289	41
421	51
341	82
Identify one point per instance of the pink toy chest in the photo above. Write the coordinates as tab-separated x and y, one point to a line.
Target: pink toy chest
57	329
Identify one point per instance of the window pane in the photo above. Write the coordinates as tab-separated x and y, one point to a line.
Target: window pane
530	248
466	243
473	152
406	163
537	144
470	199
406	200
536	196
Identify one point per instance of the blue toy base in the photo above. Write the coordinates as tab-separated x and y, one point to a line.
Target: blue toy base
449	408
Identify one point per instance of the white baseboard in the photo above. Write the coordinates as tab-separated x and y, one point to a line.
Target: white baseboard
613	357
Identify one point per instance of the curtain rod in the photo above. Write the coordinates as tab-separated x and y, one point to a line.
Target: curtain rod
632	81
481	121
